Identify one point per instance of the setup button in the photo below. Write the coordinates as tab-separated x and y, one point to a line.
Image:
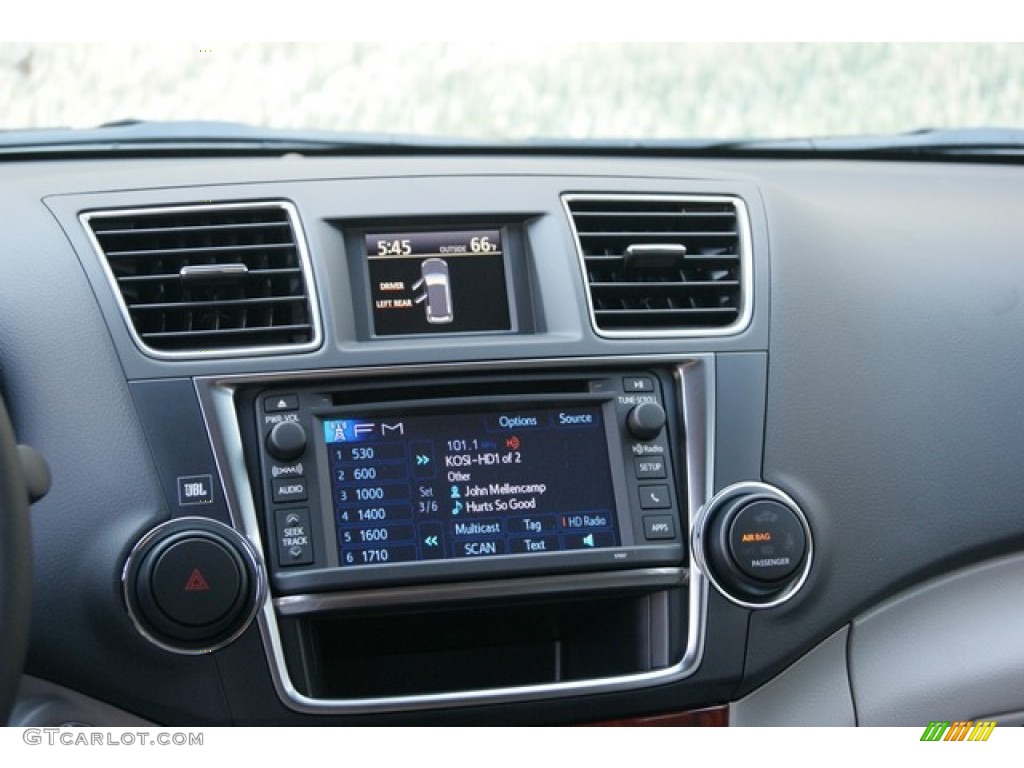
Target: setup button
649	467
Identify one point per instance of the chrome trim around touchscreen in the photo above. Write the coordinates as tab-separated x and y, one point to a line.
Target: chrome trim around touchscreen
695	376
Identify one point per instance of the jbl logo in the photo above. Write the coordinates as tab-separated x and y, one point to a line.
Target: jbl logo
194	490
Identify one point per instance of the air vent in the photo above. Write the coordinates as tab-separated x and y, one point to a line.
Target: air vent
660	265
212	279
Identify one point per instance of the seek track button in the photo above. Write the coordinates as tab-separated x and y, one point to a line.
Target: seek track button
294	546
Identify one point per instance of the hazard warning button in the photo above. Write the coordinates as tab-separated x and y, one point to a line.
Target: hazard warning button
197	582
193	585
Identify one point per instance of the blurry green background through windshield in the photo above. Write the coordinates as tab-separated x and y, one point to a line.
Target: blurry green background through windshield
495	91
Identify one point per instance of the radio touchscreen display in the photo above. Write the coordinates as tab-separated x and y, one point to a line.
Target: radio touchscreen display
445	486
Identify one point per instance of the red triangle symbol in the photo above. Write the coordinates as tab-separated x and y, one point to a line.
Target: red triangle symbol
196	582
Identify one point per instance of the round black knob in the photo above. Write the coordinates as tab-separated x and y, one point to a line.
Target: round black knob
196	581
754	544
192	585
646	421
286	440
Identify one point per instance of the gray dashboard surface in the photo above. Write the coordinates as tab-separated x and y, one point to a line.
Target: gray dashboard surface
893	400
815	691
947	650
887	309
68	398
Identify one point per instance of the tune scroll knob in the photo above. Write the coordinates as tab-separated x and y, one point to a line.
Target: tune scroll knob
286	441
646	421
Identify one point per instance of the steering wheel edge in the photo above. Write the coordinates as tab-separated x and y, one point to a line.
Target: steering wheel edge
15	566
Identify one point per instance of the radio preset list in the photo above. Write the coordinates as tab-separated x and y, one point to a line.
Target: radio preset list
436	484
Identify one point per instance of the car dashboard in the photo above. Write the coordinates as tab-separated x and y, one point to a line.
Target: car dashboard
518	438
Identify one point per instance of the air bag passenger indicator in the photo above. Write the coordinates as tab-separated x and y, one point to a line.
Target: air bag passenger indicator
437	282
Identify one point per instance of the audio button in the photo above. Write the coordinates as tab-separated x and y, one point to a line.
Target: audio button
289	489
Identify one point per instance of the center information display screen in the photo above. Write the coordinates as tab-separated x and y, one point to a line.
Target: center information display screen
430	487
437	282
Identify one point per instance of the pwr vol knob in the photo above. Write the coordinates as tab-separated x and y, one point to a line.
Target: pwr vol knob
286	441
754	544
193	585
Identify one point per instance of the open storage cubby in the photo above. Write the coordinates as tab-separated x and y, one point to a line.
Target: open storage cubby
440	649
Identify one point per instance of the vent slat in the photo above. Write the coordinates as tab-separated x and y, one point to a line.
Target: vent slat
677	312
219	332
661	234
608	259
200	228
215	303
176	276
701	289
212	249
264	308
654	214
673	285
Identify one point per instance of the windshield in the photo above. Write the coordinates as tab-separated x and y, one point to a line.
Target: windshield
515	91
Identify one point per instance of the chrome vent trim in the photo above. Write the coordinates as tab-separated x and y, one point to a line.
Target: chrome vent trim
697	281
210	280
